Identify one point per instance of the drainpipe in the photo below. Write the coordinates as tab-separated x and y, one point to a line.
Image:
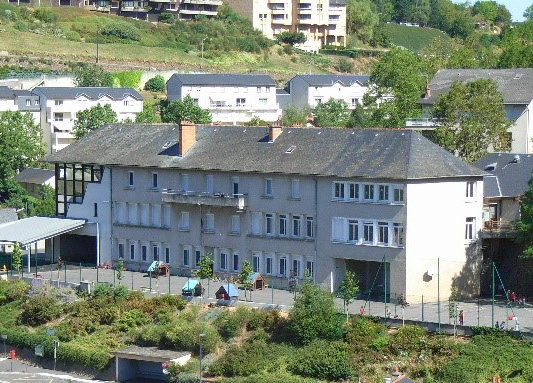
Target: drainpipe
97	244
315	224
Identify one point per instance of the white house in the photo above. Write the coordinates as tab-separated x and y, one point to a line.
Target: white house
59	107
311	90
24	101
231	98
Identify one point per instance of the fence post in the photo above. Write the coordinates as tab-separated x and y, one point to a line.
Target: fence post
114	275
493	292
272	288
97	272
36	265
208	287
131	280
422	308
478	311
150	275
51	274
169	283
438	288
80	272
65	272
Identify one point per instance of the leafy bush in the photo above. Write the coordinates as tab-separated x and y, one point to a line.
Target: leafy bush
409	339
131	79
256	121
183	335
155	84
121	31
166	17
45	15
21	26
12	290
131	319
39	309
241	361
344	65
323	360
292	116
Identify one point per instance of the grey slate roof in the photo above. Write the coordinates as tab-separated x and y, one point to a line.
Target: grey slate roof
516	85
72	93
7	93
330	79
364	153
8	215
34	176
512	176
223	79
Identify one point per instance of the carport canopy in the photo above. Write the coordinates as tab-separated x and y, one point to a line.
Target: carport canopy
29	230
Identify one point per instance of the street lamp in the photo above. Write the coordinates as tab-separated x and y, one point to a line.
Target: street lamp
200	336
202	60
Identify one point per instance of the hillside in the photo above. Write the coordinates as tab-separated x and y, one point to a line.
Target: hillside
412	38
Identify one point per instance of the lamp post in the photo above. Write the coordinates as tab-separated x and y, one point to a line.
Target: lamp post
202	60
200	336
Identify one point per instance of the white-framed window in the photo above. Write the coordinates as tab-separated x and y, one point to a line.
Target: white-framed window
296	225
268	187
353	191
369	192
383	233
120	207
256	258
58	102
58	117
167	255
132	213
269	224
297	268
166	216
209	184
338	190
235	261
368	232
470	189
186	256
258	89
126	103
310	268
256	223
383	193
282	225
223	260
28	102
269	265
144	252
353	230
397	234
143	214
235	224
240	102
131	178
470	228
355	102
337	229
267	89
210	222
197	257
282	266
398	194
309	227
132	251
185	182
184	220
235	186
156	215
155	252
121	250
295	189
154	181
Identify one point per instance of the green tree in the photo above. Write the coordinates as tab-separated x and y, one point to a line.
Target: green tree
312	315
517	46
16	258
45	205
361	19
348	290
155	84
291	38
256	121
244	276
205	268
453	309
528	13
332	113
148	115
492	12
92	119
418	12
525	225
471	119
184	110
120	270
294	116
92	75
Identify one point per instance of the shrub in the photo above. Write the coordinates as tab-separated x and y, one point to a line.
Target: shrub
150	335
344	65
130	320
39	309
183	335
241	361
409	339
155	84
21	26
322	360
166	17
256	121
12	291
121	31
45	15
288	49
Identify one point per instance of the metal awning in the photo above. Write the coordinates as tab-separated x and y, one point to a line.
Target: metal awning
33	229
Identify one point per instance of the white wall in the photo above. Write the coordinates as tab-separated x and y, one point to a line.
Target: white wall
337	91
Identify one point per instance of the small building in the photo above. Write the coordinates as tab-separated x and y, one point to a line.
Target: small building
258	281
192	288
18	100
159	268
222	292
7	215
32	179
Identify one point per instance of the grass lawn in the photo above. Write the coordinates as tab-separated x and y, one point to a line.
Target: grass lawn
412	38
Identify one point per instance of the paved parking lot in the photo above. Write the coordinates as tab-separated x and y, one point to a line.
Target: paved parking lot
18	372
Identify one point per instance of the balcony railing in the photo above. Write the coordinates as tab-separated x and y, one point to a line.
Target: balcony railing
204	2
493	228
421	123
239	201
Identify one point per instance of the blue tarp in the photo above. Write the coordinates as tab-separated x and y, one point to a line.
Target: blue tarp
154	266
253	277
233	291
189	285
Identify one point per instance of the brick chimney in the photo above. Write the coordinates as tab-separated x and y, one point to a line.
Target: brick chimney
186	137
274	130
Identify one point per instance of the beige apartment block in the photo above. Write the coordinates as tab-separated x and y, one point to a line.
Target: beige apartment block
322	21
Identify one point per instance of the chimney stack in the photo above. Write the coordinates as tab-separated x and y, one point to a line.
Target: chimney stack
186	137
274	130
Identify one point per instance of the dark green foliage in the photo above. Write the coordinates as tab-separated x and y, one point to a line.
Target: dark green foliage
365	337
121	31
344	65
155	84
12	291
148	115
290	38
332	114
46	15
525	225
39	309
293	116
256	121
323	360
91	75
166	17
94	118
241	361
130	320
184	110
410	339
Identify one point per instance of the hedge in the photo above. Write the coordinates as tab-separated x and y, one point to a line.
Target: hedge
353	53
69	353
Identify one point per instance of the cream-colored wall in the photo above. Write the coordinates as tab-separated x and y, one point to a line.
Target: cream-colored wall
436	219
336	91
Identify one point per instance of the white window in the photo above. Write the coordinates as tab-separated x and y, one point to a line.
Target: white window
383	194
58	117
283	266
209	183
295	189
126	103
263	101
258	89
156	252
470	228
338	190
282	225
144	214
144	252
269	265
186	255
185	182
368	232
156	215
58	102
132	251
355	101
397	234
240	102
369	192
235	262
120	213
267	89
398	194
470	189
269	224
223	260
383	233
296	268
296	225
167	255
309	227
28	102
268	187
166	216
310	268
210	222
255	262
197	257
235	186
353	230
130	178
154	180
184	220
337	229
132	213
121	250
235	224
353	192
256	223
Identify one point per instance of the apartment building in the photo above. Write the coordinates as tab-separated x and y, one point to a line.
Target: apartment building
14	100
322	22
59	107
312	90
231	98
516	87
289	200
